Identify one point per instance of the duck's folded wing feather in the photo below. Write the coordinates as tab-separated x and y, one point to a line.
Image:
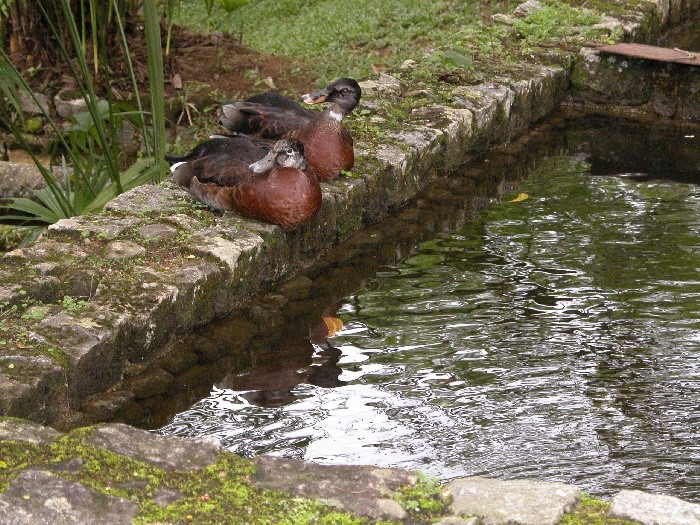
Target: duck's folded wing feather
264	121
219	197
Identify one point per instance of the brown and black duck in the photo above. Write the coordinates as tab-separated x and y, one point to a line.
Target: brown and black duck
244	175
328	146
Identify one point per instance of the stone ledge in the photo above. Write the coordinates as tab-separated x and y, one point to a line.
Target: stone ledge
115	473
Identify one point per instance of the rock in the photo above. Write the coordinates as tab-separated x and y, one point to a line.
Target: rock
27	432
87	338
516	502
119	250
500	18
38	497
159	199
100	226
653	509
157	232
19	179
362	490
36	105
106	406
165	497
149	383
30	387
162	451
383	85
458	521
69	108
528	8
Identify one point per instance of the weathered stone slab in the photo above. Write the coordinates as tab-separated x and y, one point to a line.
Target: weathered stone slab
162	451
31	387
27	432
37	497
638	85
451	520
101	226
162	198
19	180
654	509
93	340
363	490
512	502
34	103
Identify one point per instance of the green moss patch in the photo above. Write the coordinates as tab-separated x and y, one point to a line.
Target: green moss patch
221	493
592	511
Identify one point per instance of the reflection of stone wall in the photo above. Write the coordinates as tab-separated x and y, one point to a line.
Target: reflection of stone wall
624	83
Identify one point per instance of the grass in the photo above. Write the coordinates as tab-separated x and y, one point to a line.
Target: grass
344	37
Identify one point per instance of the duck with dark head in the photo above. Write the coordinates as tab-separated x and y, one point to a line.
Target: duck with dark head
328	146
252	178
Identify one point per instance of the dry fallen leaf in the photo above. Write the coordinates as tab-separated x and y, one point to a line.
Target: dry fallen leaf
177	81
270	83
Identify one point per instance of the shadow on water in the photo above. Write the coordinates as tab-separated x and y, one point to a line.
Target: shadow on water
480	339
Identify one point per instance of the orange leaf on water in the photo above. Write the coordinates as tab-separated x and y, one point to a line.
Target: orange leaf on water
333	324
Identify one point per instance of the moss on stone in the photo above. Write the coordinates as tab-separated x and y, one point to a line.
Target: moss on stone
220	493
591	511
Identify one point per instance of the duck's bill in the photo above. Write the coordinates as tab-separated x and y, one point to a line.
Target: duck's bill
265	164
315	98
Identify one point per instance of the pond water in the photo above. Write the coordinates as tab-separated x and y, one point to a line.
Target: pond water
553	334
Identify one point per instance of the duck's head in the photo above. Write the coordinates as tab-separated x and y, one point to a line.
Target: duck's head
345	93
287	153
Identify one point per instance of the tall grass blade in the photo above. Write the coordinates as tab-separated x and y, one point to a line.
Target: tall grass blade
156	81
132	77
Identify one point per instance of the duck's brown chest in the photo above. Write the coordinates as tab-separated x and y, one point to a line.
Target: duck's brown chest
328	149
284	196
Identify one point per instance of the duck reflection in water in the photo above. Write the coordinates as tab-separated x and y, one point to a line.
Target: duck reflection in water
297	361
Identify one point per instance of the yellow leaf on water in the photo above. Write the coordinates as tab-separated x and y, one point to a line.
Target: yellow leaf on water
333	324
520	197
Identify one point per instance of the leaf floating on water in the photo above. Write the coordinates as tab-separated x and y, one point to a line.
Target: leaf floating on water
520	197
333	324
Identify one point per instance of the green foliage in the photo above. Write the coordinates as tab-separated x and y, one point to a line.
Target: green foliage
350	38
423	499
555	19
591	511
90	175
71	304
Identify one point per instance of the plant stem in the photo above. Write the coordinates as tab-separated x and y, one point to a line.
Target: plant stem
155	78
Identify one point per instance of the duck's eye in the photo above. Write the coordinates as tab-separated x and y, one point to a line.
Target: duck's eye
289	151
345	91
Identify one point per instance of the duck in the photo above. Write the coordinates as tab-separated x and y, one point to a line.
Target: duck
258	179
328	145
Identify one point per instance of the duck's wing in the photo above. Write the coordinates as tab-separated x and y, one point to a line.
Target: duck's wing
264	121
214	195
275	100
222	160
220	169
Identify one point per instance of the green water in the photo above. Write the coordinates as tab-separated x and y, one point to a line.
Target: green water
555	337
